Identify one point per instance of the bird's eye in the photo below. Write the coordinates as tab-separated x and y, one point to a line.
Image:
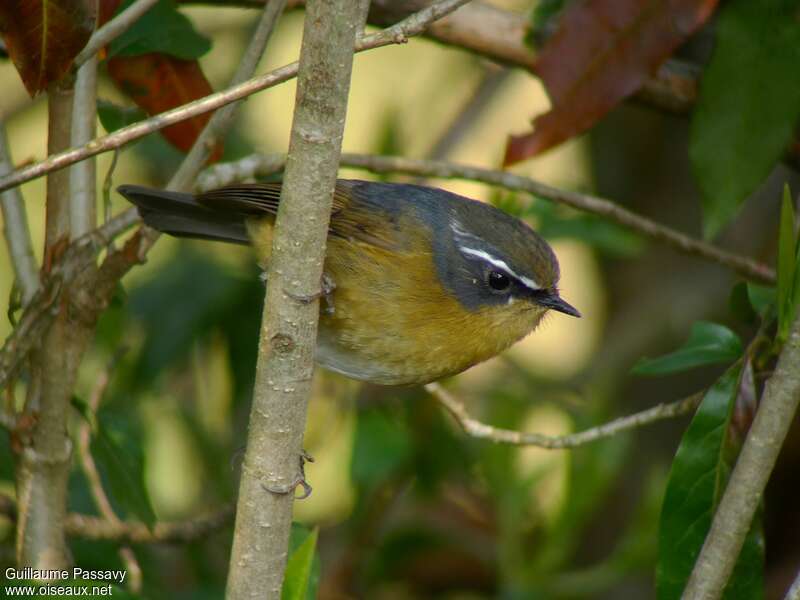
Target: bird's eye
498	282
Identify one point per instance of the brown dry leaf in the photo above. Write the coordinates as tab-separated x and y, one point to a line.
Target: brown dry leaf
602	52
157	82
44	36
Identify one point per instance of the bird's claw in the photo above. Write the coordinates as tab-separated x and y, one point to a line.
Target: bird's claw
327	287
299	480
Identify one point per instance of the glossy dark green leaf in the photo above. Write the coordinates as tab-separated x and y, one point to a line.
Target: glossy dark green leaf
696	483
786	265
302	569
762	298
708	344
748	106
162	29
122	462
113	117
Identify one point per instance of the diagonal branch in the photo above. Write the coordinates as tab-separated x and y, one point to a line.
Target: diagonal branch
223	118
15	229
256	165
113	29
749	477
396	34
480	430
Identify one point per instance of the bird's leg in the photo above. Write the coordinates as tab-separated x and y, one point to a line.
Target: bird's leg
299	480
327	287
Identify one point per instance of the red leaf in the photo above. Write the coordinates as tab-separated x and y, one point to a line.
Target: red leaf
157	82
44	36
106	10
602	52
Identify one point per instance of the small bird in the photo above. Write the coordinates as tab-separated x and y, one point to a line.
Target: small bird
419	283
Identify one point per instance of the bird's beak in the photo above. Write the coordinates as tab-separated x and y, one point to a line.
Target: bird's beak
554	302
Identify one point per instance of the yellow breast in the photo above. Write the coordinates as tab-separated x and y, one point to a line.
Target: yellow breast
393	323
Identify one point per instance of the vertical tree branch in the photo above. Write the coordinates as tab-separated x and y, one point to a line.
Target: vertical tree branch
222	119
15	228
113	29
289	327
749	477
43	466
83	177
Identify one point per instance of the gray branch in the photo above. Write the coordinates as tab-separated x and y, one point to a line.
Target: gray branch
83	175
43	469
749	477
396	34
16	229
222	119
113	29
289	327
255	164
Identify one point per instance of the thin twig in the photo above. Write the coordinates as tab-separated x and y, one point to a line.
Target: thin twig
113	29
16	230
396	34
481	430
257	165
95	528
83	175
96	489
223	118
749	477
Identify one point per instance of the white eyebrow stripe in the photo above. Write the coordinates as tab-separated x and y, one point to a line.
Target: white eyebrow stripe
526	281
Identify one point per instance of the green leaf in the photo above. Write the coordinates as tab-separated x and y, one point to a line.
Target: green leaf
122	463
182	303
381	447
113	117
708	344
161	29
786	264
748	106
302	569
762	298
697	480
740	305
554	222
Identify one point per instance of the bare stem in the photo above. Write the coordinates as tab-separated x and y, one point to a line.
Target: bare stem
95	528
43	466
271	468
259	165
396	34
749	477
223	118
99	495
113	29
481	430
83	176
16	230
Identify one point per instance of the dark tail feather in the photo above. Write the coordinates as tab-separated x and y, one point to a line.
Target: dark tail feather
180	215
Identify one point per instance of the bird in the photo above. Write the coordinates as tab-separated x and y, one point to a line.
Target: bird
419	283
